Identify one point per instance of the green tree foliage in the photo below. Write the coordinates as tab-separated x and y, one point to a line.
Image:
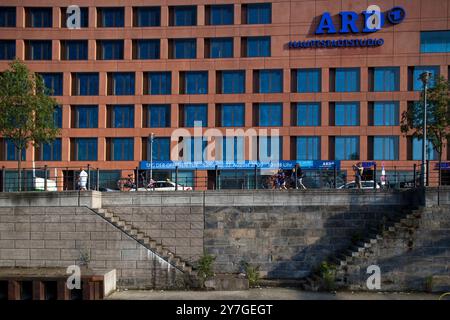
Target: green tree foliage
26	110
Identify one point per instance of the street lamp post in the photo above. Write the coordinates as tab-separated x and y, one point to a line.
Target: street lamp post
425	77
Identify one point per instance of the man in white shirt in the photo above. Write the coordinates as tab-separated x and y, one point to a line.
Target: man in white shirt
83	180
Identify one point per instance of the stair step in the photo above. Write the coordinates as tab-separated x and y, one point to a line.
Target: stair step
120	223
352	253
140	236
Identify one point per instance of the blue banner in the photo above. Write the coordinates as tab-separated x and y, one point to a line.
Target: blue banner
242	165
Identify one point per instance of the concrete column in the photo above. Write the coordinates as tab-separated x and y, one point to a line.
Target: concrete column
67	84
200	15
56	51
138	114
236	47
20	17
102	118
164	16
139	83
287	114
403	78
20	49
211	81
164	49
56	23
174	115
211	115
128	49
325	79
65	149
137	149
363	113
363	148
324	146
286	148
101	149
66	116
175	82
248	114
237	14
200	48
249	81
92	49
325	113
92	17
102	84
128	17
286	80
364	79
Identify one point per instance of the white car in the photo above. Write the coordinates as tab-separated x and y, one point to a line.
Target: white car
164	186
365	185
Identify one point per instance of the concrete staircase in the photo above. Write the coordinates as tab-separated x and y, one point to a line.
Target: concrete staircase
406	220
146	241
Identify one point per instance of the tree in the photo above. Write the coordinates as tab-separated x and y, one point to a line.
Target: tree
438	117
26	110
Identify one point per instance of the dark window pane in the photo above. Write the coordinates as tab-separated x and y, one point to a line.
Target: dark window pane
39	17
309	80
75	50
194	113
122	149
221	14
148	17
160	83
259	13
270	81
308	114
122	116
160	149
7	17
7	49
184	48
418	84
39	50
346	114
233	82
221	48
308	148
86	116
110	49
147	49
232	115
185	15
53	82
158	116
111	17
86	149
387	79
258	47
196	82
385	148
434	41
346	148
347	80
123	83
270	114
386	114
51	151
86	84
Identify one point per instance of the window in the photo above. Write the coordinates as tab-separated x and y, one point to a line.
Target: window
194	149
38	17
147	16
110	17
346	148
385	148
57	117
122	83
219	48
159	83
7	17
386	79
12	152
85	84
84	17
146	49
184	48
309	80
195	82
308	148
385	114
86	116
122	116
161	149
434	41
84	149
53	82
38	50
270	115
270	148
232	149
417	150
346	114
231	81
110	50
308	114
158	116
74	50
347	80
122	149
269	81
195	112
256	46
232	115
221	14
7	49
417	71
49	151
258	13
183	16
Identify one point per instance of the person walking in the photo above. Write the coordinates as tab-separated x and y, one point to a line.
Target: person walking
83	179
300	176
358	169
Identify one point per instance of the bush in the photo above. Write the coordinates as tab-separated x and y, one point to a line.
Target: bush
328	275
205	268
252	273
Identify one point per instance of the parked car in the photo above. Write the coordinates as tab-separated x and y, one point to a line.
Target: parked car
164	186
365	185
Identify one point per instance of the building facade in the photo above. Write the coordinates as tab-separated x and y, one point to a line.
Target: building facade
312	73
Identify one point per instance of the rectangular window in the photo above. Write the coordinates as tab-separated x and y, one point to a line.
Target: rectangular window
434	41
49	151
385	114
158	116
194	149
346	114
38	17
258	13
417	150
219	48
269	81
12	152
74	50
232	81
386	79
308	114
270	115
57	117
183	16
232	149
84	17
7	17
85	84
160	149
159	83
385	148
308	148
53	82
270	148
309	80
256	46
220	14
122	83
110	50
346	148
38	50
417	71
110	17
195	82
122	149
86	116
347	80
184	49
147	16
232	115
7	49
85	149
146	49
122	116
195	112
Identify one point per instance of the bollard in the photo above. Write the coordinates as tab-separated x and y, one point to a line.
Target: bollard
98	180
375	176
45	178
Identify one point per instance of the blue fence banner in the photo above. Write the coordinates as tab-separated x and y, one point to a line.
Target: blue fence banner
240	165
444	166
